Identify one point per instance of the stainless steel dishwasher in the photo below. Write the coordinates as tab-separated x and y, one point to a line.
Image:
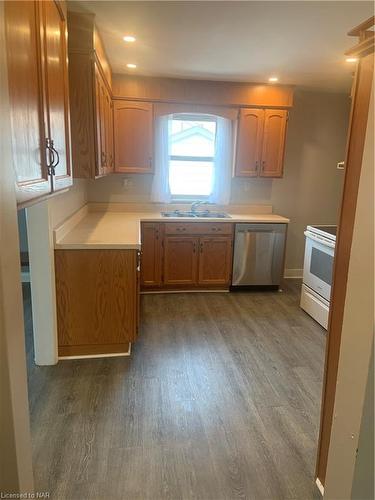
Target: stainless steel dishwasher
258	258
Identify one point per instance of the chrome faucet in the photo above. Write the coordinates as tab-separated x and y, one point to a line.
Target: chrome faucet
197	204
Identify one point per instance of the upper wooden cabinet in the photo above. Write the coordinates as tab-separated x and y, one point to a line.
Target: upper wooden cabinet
273	142
261	143
91	106
104	126
133	125
249	142
39	98
54	61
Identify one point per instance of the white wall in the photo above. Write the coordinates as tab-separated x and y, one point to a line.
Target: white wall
310	190
346	448
15	444
64	205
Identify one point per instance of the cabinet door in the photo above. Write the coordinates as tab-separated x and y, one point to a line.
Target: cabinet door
275	122
99	118
133	136
151	258
97	297
28	137
215	260
180	260
249	142
56	95
109	129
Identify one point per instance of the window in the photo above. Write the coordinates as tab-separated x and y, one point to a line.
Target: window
191	155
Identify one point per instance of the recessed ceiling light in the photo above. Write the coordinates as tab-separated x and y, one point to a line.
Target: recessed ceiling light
129	38
273	79
352	59
131	65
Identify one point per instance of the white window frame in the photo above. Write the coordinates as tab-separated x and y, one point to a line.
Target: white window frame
192	117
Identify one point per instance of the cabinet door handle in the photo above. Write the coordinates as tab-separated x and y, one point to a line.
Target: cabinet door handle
51	157
256	166
201	247
57	154
194	247
263	164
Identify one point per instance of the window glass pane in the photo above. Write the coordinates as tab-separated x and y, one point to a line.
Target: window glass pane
192	138
190	177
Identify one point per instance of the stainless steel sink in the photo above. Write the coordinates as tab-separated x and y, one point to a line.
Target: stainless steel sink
207	214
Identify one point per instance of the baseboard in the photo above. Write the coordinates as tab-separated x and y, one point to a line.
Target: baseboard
319	486
93	356
293	273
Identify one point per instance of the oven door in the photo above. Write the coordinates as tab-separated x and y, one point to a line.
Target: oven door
318	266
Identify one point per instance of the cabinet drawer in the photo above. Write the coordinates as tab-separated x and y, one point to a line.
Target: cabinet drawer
198	228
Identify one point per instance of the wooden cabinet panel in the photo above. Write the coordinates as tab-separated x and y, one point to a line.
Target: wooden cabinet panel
198	228
275	122
39	98
215	260
133	126
26	106
91	103
152	253
180	260
249	142
97	298
53	26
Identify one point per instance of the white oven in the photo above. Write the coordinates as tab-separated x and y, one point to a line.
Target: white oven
318	271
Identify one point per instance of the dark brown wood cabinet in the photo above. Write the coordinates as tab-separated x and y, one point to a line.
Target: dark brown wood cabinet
91	106
39	97
97	300
133	126
151	257
261	142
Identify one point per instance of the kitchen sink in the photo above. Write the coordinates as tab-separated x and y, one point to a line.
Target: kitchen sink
207	214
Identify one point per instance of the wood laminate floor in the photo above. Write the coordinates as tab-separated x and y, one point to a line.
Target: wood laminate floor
219	400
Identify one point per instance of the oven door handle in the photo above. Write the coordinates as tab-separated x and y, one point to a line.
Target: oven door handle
319	240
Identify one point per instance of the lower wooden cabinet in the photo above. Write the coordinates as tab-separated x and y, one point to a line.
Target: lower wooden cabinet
151	258
180	260
215	260
97	295
186	255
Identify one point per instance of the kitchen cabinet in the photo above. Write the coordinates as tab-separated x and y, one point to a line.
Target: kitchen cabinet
91	106
261	142
274	134
186	255
97	295
39	97
249	142
104	126
180	260
151	257
215	260
133	126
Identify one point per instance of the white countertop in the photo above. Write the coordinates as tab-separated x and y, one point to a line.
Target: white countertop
111	229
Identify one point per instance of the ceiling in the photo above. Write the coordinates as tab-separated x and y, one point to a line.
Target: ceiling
301	42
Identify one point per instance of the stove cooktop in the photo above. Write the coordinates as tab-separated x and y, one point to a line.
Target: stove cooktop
324	230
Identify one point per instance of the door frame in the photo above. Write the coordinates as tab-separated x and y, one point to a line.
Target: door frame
353	165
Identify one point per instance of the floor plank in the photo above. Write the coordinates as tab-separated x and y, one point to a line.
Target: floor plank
219	400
